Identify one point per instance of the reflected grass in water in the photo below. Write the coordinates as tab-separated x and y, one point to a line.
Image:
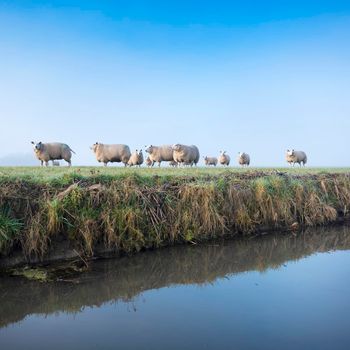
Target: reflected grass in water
125	278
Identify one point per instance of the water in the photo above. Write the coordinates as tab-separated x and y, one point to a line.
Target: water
272	292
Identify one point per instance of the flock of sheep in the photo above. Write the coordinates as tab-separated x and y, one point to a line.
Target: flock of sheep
176	155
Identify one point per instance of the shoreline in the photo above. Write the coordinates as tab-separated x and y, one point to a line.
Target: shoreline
78	216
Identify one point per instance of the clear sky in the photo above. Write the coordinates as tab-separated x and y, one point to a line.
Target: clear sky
254	76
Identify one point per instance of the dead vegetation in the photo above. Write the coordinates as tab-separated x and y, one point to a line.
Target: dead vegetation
133	212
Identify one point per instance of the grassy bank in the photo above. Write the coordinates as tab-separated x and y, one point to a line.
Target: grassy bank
129	210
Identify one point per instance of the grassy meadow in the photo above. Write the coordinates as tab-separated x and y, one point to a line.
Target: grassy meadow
55	173
131	209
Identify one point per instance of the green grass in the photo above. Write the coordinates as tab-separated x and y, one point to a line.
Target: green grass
9	229
43	174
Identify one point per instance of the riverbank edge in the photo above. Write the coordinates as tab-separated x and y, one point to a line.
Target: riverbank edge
61	252
87	217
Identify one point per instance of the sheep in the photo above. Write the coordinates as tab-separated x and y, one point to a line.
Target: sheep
173	164
293	157
224	159
243	159
148	162
185	155
210	161
159	154
133	158
52	151
136	158
139	158
289	158
111	153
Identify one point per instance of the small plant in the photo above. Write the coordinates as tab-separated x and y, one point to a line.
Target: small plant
9	229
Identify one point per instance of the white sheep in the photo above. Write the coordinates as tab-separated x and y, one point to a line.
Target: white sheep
185	155
210	161
243	159
159	154
136	158
293	157
224	158
111	153
52	151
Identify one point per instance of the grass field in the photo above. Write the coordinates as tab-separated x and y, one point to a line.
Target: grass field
54	173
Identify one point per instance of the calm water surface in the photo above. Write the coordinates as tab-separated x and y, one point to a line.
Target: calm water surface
272	292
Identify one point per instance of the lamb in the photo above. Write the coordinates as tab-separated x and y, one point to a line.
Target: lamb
210	161
185	155
293	157
159	154
111	153
52	151
55	163
224	159
243	159
136	158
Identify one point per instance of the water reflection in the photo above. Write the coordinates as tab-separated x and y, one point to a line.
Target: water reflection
123	279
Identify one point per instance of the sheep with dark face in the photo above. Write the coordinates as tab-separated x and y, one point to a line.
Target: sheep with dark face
111	153
224	158
52	151
293	157
140	158
185	155
243	159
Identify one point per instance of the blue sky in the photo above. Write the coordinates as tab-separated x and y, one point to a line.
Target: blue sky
250	76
